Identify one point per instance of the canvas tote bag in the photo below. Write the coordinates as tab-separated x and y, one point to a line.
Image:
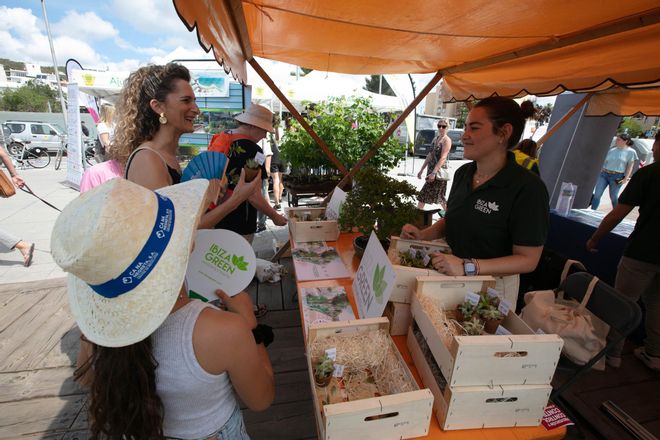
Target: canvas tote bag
583	333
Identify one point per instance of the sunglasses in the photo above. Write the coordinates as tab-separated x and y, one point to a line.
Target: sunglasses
442	126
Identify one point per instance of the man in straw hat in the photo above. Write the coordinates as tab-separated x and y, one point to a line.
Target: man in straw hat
240	144
158	363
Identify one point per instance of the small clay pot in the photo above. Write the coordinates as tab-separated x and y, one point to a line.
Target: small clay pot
490	325
459	315
322	381
250	173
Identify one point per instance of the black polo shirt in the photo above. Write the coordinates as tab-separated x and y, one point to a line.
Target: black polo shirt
643	190
512	208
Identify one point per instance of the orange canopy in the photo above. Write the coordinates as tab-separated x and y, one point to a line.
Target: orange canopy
481	47
622	102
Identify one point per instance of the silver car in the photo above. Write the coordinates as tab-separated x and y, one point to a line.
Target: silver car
40	134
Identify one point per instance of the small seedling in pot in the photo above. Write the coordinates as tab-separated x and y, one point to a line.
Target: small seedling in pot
473	327
464	311
251	168
492	317
323	371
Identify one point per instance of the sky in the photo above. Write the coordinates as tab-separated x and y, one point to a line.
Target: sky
103	34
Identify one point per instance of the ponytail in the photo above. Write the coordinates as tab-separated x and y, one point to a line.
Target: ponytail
124	402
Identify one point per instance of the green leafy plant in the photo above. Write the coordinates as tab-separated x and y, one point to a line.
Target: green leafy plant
379	203
252	164
349	127
491	312
379	283
235	149
405	259
473	327
239	262
324	367
467	309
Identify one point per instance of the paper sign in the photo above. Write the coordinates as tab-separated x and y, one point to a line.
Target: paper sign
339	370
504	307
553	417
334	206
472	297
540	332
502	331
260	158
331	353
373	281
493	293
221	259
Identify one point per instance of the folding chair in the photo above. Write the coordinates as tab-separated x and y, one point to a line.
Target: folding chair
618	311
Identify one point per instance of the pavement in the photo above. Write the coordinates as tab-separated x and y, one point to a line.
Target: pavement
30	219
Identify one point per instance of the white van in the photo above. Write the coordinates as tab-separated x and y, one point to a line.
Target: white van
40	134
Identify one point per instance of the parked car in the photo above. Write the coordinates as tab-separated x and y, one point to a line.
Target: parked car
41	134
425	137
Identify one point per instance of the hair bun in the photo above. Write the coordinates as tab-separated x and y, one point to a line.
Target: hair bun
527	108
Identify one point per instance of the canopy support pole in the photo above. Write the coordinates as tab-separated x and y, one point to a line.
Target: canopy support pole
393	126
262	73
563	120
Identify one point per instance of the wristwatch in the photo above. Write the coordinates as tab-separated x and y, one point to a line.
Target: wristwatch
263	334
469	267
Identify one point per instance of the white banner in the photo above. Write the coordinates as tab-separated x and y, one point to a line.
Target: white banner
74	165
373	281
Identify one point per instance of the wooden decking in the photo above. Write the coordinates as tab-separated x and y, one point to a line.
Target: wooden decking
39	344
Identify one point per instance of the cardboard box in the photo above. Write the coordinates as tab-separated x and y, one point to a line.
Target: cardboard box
399	317
479	406
522	358
403	415
311	230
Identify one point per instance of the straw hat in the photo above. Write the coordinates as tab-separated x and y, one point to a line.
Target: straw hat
257	115
126	250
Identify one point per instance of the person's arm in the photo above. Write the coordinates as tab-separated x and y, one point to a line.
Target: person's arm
433	232
426	162
4	156
261	204
446	147
618	213
267	165
524	259
105	139
242	191
628	171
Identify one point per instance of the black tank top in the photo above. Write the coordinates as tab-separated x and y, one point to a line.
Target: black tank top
174	174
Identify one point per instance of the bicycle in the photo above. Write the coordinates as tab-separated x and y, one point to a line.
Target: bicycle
90	157
36	157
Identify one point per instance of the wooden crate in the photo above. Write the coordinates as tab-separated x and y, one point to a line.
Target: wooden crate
522	358
399	317
480	406
403	415
406	277
313	230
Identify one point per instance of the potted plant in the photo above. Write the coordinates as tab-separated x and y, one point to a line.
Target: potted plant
377	203
349	127
251	168
323	369
492	318
464	311
473	327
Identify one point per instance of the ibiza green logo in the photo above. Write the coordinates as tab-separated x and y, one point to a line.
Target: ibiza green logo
224	260
379	283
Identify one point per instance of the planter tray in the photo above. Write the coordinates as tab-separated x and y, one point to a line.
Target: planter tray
313	230
396	416
522	358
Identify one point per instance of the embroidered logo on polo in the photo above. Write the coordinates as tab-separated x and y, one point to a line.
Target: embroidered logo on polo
146	260
486	207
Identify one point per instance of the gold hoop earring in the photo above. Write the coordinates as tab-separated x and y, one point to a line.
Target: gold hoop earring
162	119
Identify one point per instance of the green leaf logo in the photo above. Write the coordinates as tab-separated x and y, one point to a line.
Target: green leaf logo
239	262
379	283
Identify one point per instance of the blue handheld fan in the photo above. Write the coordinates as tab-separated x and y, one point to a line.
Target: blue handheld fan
206	165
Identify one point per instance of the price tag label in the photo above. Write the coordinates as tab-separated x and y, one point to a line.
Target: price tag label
427	260
332	353
494	293
502	331
504	307
412	252
472	298
260	158
339	370
540	332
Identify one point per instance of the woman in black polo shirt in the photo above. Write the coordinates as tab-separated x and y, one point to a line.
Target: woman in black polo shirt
497	212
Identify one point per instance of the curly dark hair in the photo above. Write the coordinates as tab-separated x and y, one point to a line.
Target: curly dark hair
503	110
136	121
124	402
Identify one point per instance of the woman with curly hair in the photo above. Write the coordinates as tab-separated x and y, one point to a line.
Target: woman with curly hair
156	106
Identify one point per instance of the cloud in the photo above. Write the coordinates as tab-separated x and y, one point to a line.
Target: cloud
150	16
87	24
18	20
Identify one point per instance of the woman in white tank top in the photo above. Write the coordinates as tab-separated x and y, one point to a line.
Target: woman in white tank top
157	364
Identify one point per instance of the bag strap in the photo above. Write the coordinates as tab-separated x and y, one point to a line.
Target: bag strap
587	295
27	189
567	267
130	158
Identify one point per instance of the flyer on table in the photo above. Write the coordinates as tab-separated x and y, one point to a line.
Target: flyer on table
221	259
374	280
334	206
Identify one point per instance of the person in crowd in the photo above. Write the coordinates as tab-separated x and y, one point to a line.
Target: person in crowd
638	274
156	106
616	171
261	217
276	171
497	213
435	189
157	363
526	152
9	242
98	174
106	128
240	144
